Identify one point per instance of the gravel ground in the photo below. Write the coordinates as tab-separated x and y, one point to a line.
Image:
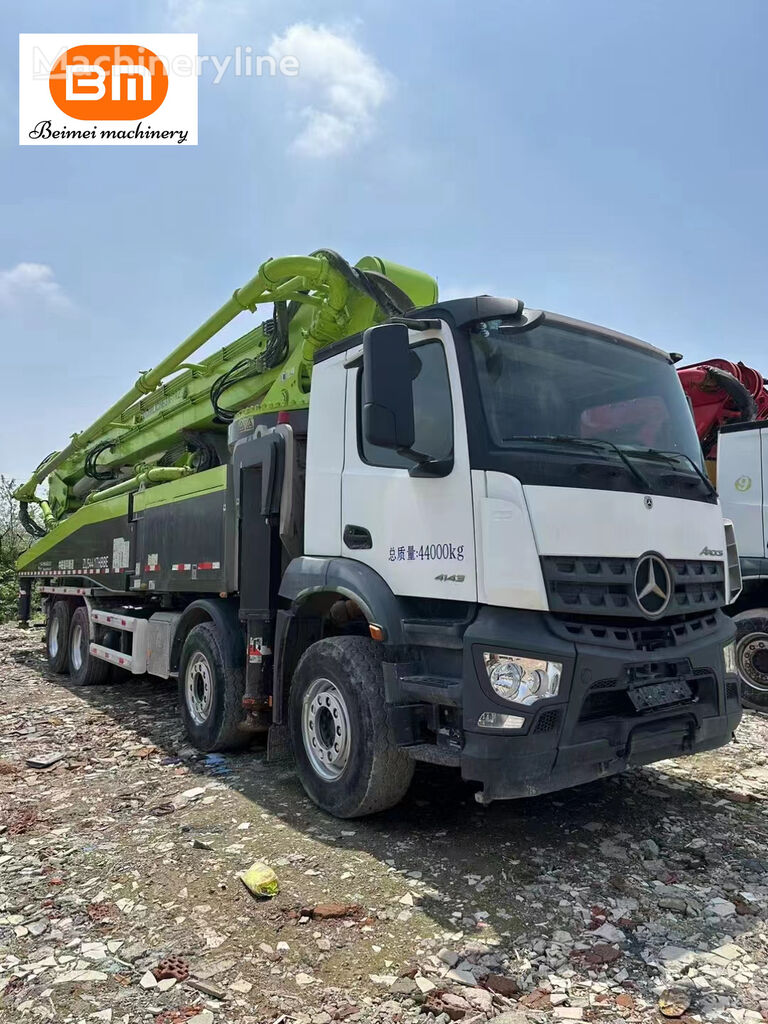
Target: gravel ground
618	901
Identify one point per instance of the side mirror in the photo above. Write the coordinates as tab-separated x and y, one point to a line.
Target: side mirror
387	387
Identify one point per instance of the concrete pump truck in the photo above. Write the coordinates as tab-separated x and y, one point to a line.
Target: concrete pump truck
385	529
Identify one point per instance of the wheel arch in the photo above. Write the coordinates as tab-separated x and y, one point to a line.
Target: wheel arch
222	614
310	586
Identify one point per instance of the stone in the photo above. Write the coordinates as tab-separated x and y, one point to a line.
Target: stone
404	987
461	977
80	977
722	908
674	1001
449	957
208	988
651	848
204	1017
45	760
673	903
480	999
729	951
302	979
383	979
241	986
424	985
568	1013
677	953
504	986
609	932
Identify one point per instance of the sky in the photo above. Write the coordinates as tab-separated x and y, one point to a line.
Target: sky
603	159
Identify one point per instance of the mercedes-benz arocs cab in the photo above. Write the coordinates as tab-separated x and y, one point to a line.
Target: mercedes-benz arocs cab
488	543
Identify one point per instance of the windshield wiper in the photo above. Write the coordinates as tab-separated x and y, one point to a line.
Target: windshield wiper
669	457
586	442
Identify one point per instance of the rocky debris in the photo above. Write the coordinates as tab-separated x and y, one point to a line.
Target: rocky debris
673	1002
332	911
120	898
171	967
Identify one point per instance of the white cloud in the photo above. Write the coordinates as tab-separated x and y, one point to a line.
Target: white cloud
200	15
347	86
29	284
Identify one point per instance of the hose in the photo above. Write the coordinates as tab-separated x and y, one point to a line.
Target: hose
741	399
34	529
89	466
390	299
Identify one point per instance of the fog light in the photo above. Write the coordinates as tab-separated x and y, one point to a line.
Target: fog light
493	720
729	656
522	680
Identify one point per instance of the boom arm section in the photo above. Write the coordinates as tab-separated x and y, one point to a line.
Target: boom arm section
318	299
720	393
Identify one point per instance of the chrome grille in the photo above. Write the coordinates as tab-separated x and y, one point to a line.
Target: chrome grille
605	586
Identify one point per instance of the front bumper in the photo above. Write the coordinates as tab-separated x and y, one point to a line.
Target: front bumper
591	730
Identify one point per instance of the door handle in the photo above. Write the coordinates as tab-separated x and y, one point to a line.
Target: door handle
357	537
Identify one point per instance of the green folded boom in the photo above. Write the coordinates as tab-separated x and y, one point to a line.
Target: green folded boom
157	431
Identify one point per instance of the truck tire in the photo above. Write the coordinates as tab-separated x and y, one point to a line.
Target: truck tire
211	692
84	670
752	657
346	755
57	636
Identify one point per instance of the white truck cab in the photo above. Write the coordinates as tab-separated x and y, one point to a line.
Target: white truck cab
742	471
515	500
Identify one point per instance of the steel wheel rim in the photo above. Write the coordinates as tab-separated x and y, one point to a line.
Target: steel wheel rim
326	730
752	661
198	688
53	638
76	649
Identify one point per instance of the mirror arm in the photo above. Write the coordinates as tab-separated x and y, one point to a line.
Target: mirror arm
409	453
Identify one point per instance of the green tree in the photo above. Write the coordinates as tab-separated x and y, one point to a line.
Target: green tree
13	540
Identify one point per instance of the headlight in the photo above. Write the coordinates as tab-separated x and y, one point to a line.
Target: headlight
729	655
522	680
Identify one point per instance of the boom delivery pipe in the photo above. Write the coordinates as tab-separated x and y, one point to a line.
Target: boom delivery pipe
333	300
295	272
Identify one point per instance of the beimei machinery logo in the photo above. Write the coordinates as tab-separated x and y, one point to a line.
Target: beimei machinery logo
107	90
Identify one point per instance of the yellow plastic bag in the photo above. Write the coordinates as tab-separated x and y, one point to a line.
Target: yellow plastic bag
261	880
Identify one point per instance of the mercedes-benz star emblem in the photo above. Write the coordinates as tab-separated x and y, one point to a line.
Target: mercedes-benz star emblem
653	585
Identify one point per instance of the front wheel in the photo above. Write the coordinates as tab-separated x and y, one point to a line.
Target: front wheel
346	755
752	657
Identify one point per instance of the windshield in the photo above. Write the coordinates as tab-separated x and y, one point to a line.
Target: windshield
600	400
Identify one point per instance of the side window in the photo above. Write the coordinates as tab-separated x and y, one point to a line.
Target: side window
433	411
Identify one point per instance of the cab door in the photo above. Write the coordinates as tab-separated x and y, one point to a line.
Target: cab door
416	531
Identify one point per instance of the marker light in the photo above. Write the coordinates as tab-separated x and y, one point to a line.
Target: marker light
493	720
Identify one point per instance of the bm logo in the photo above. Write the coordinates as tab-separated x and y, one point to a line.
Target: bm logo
103	82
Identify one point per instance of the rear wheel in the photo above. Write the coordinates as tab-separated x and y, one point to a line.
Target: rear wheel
752	657
57	636
346	755
211	688
84	669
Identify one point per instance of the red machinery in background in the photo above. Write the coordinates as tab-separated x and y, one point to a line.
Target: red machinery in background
722	392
